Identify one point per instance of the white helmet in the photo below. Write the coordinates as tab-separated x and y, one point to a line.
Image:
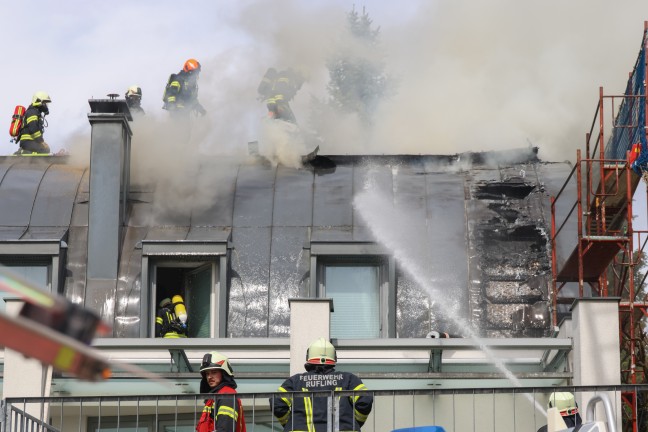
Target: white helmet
321	352
134	91
564	402
216	360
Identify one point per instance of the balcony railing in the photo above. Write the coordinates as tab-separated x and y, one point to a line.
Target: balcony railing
456	410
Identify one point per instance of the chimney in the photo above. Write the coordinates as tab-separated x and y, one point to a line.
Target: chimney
109	183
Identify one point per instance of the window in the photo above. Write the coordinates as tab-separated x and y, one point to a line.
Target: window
194	282
356	300
194	271
360	279
36	261
32	270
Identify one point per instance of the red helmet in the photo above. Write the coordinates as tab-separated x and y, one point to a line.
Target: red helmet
191	65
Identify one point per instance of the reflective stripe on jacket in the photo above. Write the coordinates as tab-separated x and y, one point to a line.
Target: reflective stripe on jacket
228	409
298	410
33	126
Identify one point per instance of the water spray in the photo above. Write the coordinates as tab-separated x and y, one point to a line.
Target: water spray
379	214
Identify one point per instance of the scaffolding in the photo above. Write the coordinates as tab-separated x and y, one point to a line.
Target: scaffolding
605	249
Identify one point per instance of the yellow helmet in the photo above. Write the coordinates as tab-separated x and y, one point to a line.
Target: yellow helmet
40	97
564	402
216	360
321	352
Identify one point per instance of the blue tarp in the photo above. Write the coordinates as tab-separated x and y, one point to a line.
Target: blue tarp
629	125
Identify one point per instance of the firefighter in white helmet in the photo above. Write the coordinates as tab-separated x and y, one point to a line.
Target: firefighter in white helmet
311	413
566	405
222	413
134	100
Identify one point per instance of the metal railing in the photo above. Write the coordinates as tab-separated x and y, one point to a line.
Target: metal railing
456	410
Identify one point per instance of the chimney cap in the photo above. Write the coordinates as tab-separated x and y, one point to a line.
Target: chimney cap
110	106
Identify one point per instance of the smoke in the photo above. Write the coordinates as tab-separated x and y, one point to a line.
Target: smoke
479	76
471	76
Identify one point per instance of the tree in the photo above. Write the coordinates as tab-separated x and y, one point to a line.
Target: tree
358	81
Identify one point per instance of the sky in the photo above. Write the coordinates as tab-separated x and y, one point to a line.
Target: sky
471	75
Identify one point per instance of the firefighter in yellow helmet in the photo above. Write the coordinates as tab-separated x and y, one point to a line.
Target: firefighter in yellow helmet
181	92
31	136
566	405
167	323
311	413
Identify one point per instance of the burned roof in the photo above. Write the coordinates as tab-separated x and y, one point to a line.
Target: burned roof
487	217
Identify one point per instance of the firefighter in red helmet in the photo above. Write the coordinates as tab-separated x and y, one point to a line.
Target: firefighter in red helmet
181	92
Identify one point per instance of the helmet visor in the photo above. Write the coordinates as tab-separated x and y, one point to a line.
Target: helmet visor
206	361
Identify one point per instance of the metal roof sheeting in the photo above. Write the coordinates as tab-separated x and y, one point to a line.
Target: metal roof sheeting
269	215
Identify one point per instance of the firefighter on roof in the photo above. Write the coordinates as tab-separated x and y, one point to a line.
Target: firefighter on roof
134	100
31	136
277	89
167	323
181	92
223	412
308	413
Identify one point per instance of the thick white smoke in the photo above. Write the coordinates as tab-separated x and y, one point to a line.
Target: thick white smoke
471	75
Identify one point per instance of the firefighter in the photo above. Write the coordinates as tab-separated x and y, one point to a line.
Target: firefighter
167	324
31	137
567	407
221	413
134	100
285	85
308	413
181	93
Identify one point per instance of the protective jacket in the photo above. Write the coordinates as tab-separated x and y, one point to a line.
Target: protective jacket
224	409
181	93
285	85
168	325
31	136
299	411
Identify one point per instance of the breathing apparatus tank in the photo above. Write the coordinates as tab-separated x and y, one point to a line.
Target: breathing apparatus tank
179	309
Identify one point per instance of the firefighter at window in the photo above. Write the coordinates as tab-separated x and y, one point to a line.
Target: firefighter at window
134	100
566	405
223	412
181	92
311	413
169	322
31	136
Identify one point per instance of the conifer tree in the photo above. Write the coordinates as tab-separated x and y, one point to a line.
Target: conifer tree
357	77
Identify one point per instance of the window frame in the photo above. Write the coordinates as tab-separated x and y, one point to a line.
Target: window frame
169	253
48	253
360	254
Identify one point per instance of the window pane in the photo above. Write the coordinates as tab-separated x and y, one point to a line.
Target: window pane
354	290
198	303
36	274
